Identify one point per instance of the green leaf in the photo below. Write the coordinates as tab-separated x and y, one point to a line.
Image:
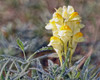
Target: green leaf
40	50
3	67
78	75
86	64
85	69
47	48
87	61
8	73
20	44
95	74
2	77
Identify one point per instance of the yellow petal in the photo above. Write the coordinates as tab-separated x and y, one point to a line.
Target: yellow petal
76	18
70	9
57	18
57	15
65	33
64	13
78	37
56	43
48	26
59	10
65	27
81	25
74	14
79	34
54	38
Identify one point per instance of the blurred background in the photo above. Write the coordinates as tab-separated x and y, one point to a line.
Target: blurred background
26	19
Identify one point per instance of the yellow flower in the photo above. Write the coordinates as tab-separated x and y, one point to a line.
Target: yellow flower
78	37
57	44
61	17
52	26
59	10
80	25
57	17
69	14
73	15
70	9
67	11
65	25
75	26
64	13
65	32
56	22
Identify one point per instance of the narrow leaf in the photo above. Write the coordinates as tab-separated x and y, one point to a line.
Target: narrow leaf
7	75
20	44
3	67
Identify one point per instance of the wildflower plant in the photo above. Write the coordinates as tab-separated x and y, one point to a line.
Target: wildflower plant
65	25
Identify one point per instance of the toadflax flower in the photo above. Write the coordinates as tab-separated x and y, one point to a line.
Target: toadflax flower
52	26
69	14
57	45
65	25
65	34
78	37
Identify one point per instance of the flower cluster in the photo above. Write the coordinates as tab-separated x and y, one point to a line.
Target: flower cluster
65	25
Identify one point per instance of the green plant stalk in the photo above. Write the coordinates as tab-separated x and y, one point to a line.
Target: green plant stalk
65	63
65	50
7	75
21	73
3	67
31	56
70	48
70	58
2	77
71	53
24	55
20	44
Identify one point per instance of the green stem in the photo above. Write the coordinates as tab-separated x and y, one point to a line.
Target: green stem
60	58
64	65
65	49
31	56
24	55
7	75
72	52
23	71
